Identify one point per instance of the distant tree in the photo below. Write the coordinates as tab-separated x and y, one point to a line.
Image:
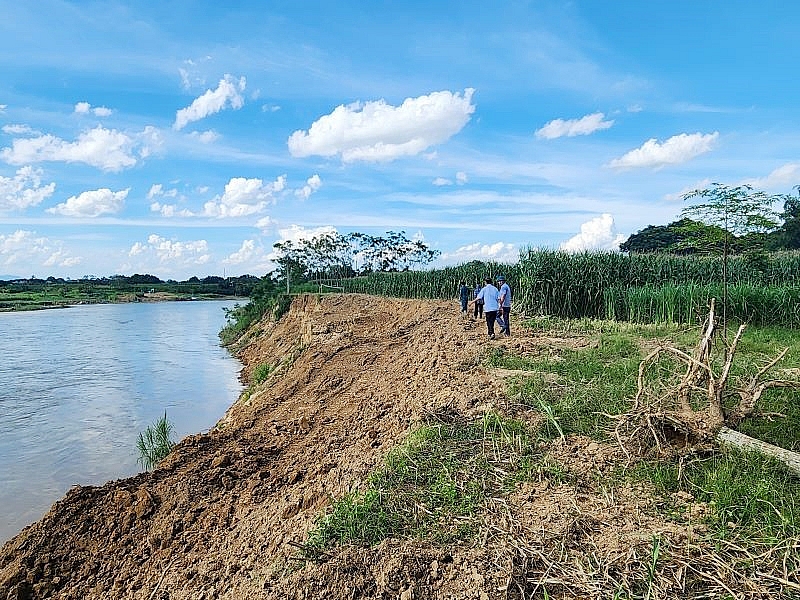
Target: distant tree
787	236
674	238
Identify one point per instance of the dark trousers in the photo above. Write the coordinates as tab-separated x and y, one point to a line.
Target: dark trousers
491	315
506	313
478	310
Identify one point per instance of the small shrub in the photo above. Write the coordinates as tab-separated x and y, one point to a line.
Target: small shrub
261	372
155	443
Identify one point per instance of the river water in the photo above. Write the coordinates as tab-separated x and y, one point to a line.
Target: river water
78	385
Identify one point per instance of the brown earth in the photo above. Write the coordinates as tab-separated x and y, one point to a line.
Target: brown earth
221	516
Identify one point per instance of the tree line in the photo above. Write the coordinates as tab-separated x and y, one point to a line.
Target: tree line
726	219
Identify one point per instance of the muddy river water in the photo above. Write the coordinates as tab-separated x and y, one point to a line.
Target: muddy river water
78	385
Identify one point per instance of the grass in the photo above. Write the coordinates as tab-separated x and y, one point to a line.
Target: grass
155	443
432	486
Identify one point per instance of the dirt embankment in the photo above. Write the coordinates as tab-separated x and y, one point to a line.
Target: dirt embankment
218	518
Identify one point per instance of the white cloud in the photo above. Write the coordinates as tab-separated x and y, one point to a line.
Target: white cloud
266	223
787	175
296	233
92	203
23	190
228	93
244	197
571	127
18	130
461	178
176	253
313	183
440	181
597	234
23	247
157	190
170	210
498	252
270	108
676	150
151	140
377	131
106	149
85	108
205	137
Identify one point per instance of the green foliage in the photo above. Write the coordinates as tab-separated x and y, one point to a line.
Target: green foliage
261	372
431	486
155	443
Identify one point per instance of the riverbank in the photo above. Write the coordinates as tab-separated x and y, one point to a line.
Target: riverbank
355	398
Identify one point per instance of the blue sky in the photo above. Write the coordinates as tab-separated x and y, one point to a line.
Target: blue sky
185	138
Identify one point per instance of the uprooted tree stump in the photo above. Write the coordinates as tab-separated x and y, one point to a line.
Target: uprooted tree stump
694	412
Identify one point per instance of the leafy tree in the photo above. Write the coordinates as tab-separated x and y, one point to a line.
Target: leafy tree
394	252
788	235
730	212
677	238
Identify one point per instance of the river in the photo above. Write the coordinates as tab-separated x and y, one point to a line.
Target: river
78	385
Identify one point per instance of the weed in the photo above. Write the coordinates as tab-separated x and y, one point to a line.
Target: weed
155	443
431	486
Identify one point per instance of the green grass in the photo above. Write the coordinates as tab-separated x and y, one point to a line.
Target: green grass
155	443
261	372
576	389
432	486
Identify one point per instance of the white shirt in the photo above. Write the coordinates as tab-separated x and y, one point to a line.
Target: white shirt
489	295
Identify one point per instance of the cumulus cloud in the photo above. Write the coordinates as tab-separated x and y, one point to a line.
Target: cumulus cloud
92	203
205	137
24	189
157	190
376	131
571	127
83	108
498	252
24	247
175	252
313	183
461	178
244	197
106	149
597	234
266	223
228	94
441	181
676	150
784	176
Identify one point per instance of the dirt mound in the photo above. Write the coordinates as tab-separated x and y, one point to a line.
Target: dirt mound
218	519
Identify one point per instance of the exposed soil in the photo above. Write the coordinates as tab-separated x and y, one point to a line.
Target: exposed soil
219	517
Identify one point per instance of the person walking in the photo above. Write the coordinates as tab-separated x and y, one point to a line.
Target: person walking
504	300
489	295
463	293
478	310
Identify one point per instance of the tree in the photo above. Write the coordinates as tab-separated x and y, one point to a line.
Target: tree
332	255
730	212
677	237
395	252
788	235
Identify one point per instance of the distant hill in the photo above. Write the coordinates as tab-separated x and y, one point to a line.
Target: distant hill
10	277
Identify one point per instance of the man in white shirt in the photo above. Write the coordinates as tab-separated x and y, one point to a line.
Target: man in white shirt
489	294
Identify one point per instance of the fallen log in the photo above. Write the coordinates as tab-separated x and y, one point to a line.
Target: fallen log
730	437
